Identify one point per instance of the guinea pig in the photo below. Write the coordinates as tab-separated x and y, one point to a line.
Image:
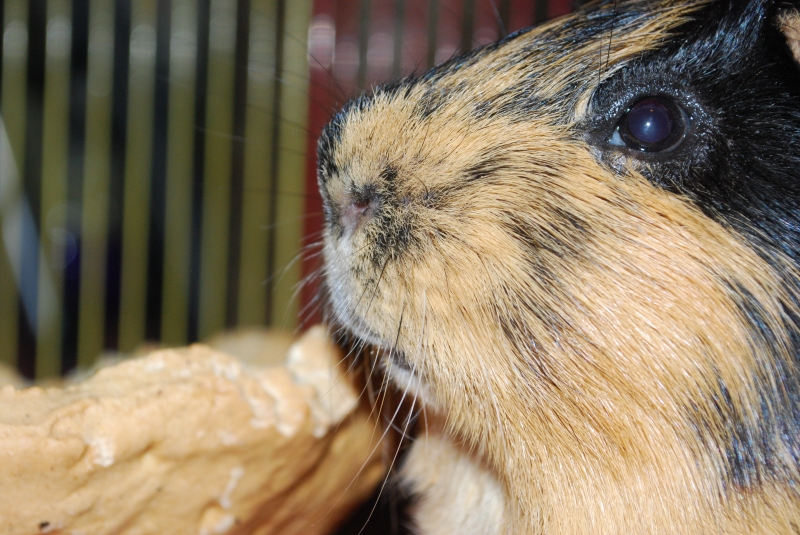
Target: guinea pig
579	249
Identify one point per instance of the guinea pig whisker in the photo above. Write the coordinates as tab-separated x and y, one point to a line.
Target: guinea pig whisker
359	347
499	19
364	292
357	251
375	361
374	288
388	428
370	372
391	465
330	76
381	442
309	309
610	36
349	369
411	415
277	275
399	327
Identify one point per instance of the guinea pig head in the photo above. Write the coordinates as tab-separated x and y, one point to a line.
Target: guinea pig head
580	243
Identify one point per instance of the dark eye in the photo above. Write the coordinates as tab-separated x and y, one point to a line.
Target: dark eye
652	124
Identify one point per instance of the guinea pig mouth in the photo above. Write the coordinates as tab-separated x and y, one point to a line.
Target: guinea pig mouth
398	359
386	353
392	359
406	379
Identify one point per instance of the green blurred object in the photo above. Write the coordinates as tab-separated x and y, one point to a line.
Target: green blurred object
148	189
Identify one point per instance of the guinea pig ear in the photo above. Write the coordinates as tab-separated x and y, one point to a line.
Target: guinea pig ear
789	24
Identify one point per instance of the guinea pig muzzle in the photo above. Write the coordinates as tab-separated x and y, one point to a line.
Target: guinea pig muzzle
355	210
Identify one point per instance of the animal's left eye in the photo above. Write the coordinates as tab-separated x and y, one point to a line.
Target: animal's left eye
652	124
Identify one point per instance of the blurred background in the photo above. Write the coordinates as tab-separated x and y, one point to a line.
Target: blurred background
157	174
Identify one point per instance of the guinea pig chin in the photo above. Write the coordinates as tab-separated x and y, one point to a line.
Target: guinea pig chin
390	358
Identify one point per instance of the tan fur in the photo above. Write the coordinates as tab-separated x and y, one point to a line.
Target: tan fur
592	436
790	25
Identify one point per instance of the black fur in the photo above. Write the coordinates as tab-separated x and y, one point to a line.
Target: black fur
732	71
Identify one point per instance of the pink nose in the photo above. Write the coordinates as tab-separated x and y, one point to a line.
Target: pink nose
354	212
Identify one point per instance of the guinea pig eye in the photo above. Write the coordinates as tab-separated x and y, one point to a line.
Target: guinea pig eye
652	124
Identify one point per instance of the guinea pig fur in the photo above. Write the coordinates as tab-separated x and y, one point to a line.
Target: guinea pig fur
579	248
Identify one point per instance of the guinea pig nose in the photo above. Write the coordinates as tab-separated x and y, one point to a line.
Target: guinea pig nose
356	209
